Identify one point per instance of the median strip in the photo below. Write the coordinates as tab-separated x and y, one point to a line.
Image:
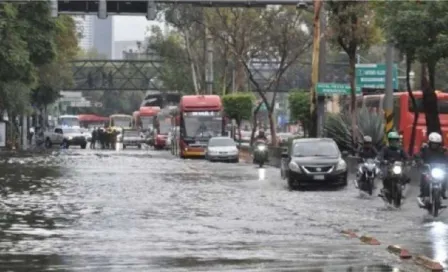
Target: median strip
420	260
428	263
400	252
369	240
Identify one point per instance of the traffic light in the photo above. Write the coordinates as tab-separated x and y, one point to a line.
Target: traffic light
54	8
151	13
102	9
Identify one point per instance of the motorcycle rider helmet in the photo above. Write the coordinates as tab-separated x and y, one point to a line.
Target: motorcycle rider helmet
393	138
434	140
367	141
261	133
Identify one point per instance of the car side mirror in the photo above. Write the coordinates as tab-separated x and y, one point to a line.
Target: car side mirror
344	153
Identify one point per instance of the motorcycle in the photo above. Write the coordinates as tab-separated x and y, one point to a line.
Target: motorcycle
394	194
434	175
260	153
367	172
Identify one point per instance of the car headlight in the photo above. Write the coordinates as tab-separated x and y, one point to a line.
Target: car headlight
341	165
212	152
294	167
437	173
397	170
70	137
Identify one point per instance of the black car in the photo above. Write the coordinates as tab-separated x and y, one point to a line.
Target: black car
313	161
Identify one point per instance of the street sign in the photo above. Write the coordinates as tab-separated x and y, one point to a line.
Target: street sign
334	88
374	76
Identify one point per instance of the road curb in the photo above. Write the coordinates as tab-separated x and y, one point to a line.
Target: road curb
400	252
369	240
428	263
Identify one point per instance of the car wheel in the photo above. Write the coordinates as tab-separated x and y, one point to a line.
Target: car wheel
83	146
293	184
124	146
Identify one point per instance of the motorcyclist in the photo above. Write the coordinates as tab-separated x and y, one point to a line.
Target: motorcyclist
391	153
261	136
366	151
432	152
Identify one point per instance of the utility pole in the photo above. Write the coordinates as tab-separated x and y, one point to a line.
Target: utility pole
315	68
321	75
389	95
209	59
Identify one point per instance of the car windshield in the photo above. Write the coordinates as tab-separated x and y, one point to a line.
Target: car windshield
221	142
131	133
71	130
315	149
202	126
122	122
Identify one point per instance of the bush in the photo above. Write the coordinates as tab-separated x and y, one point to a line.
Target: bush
338	126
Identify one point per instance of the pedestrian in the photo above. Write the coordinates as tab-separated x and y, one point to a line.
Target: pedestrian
93	140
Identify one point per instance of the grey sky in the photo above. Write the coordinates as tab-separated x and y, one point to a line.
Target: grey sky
128	28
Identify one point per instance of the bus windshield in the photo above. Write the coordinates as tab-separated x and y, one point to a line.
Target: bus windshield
147	122
164	127
202	124
442	105
68	121
121	121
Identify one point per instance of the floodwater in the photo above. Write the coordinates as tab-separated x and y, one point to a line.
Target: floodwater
139	210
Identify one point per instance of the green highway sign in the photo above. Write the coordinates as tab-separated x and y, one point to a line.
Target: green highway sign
374	76
334	88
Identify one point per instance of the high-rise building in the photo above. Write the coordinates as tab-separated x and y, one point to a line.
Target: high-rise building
103	36
84	26
96	34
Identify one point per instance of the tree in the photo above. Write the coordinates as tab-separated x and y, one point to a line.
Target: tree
273	36
15	65
174	72
299	104
238	106
419	31
352	27
57	73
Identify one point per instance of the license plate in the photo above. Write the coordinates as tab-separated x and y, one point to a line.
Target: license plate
319	177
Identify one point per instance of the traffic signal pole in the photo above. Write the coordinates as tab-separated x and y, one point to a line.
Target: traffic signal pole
315	69
389	95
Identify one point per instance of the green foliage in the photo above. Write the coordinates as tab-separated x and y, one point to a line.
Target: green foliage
175	72
339	127
238	106
417	30
58	72
299	106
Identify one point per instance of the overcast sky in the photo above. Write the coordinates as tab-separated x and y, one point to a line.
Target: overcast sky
127	28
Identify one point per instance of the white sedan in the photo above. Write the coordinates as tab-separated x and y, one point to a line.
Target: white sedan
222	149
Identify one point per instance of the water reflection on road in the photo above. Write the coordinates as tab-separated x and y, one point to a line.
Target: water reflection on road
82	210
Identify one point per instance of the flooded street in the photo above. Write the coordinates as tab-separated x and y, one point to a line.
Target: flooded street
134	210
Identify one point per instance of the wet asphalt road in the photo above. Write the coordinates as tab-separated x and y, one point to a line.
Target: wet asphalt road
135	210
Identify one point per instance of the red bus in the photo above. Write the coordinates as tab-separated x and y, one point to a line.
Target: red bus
404	115
92	120
200	118
147	117
163	125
